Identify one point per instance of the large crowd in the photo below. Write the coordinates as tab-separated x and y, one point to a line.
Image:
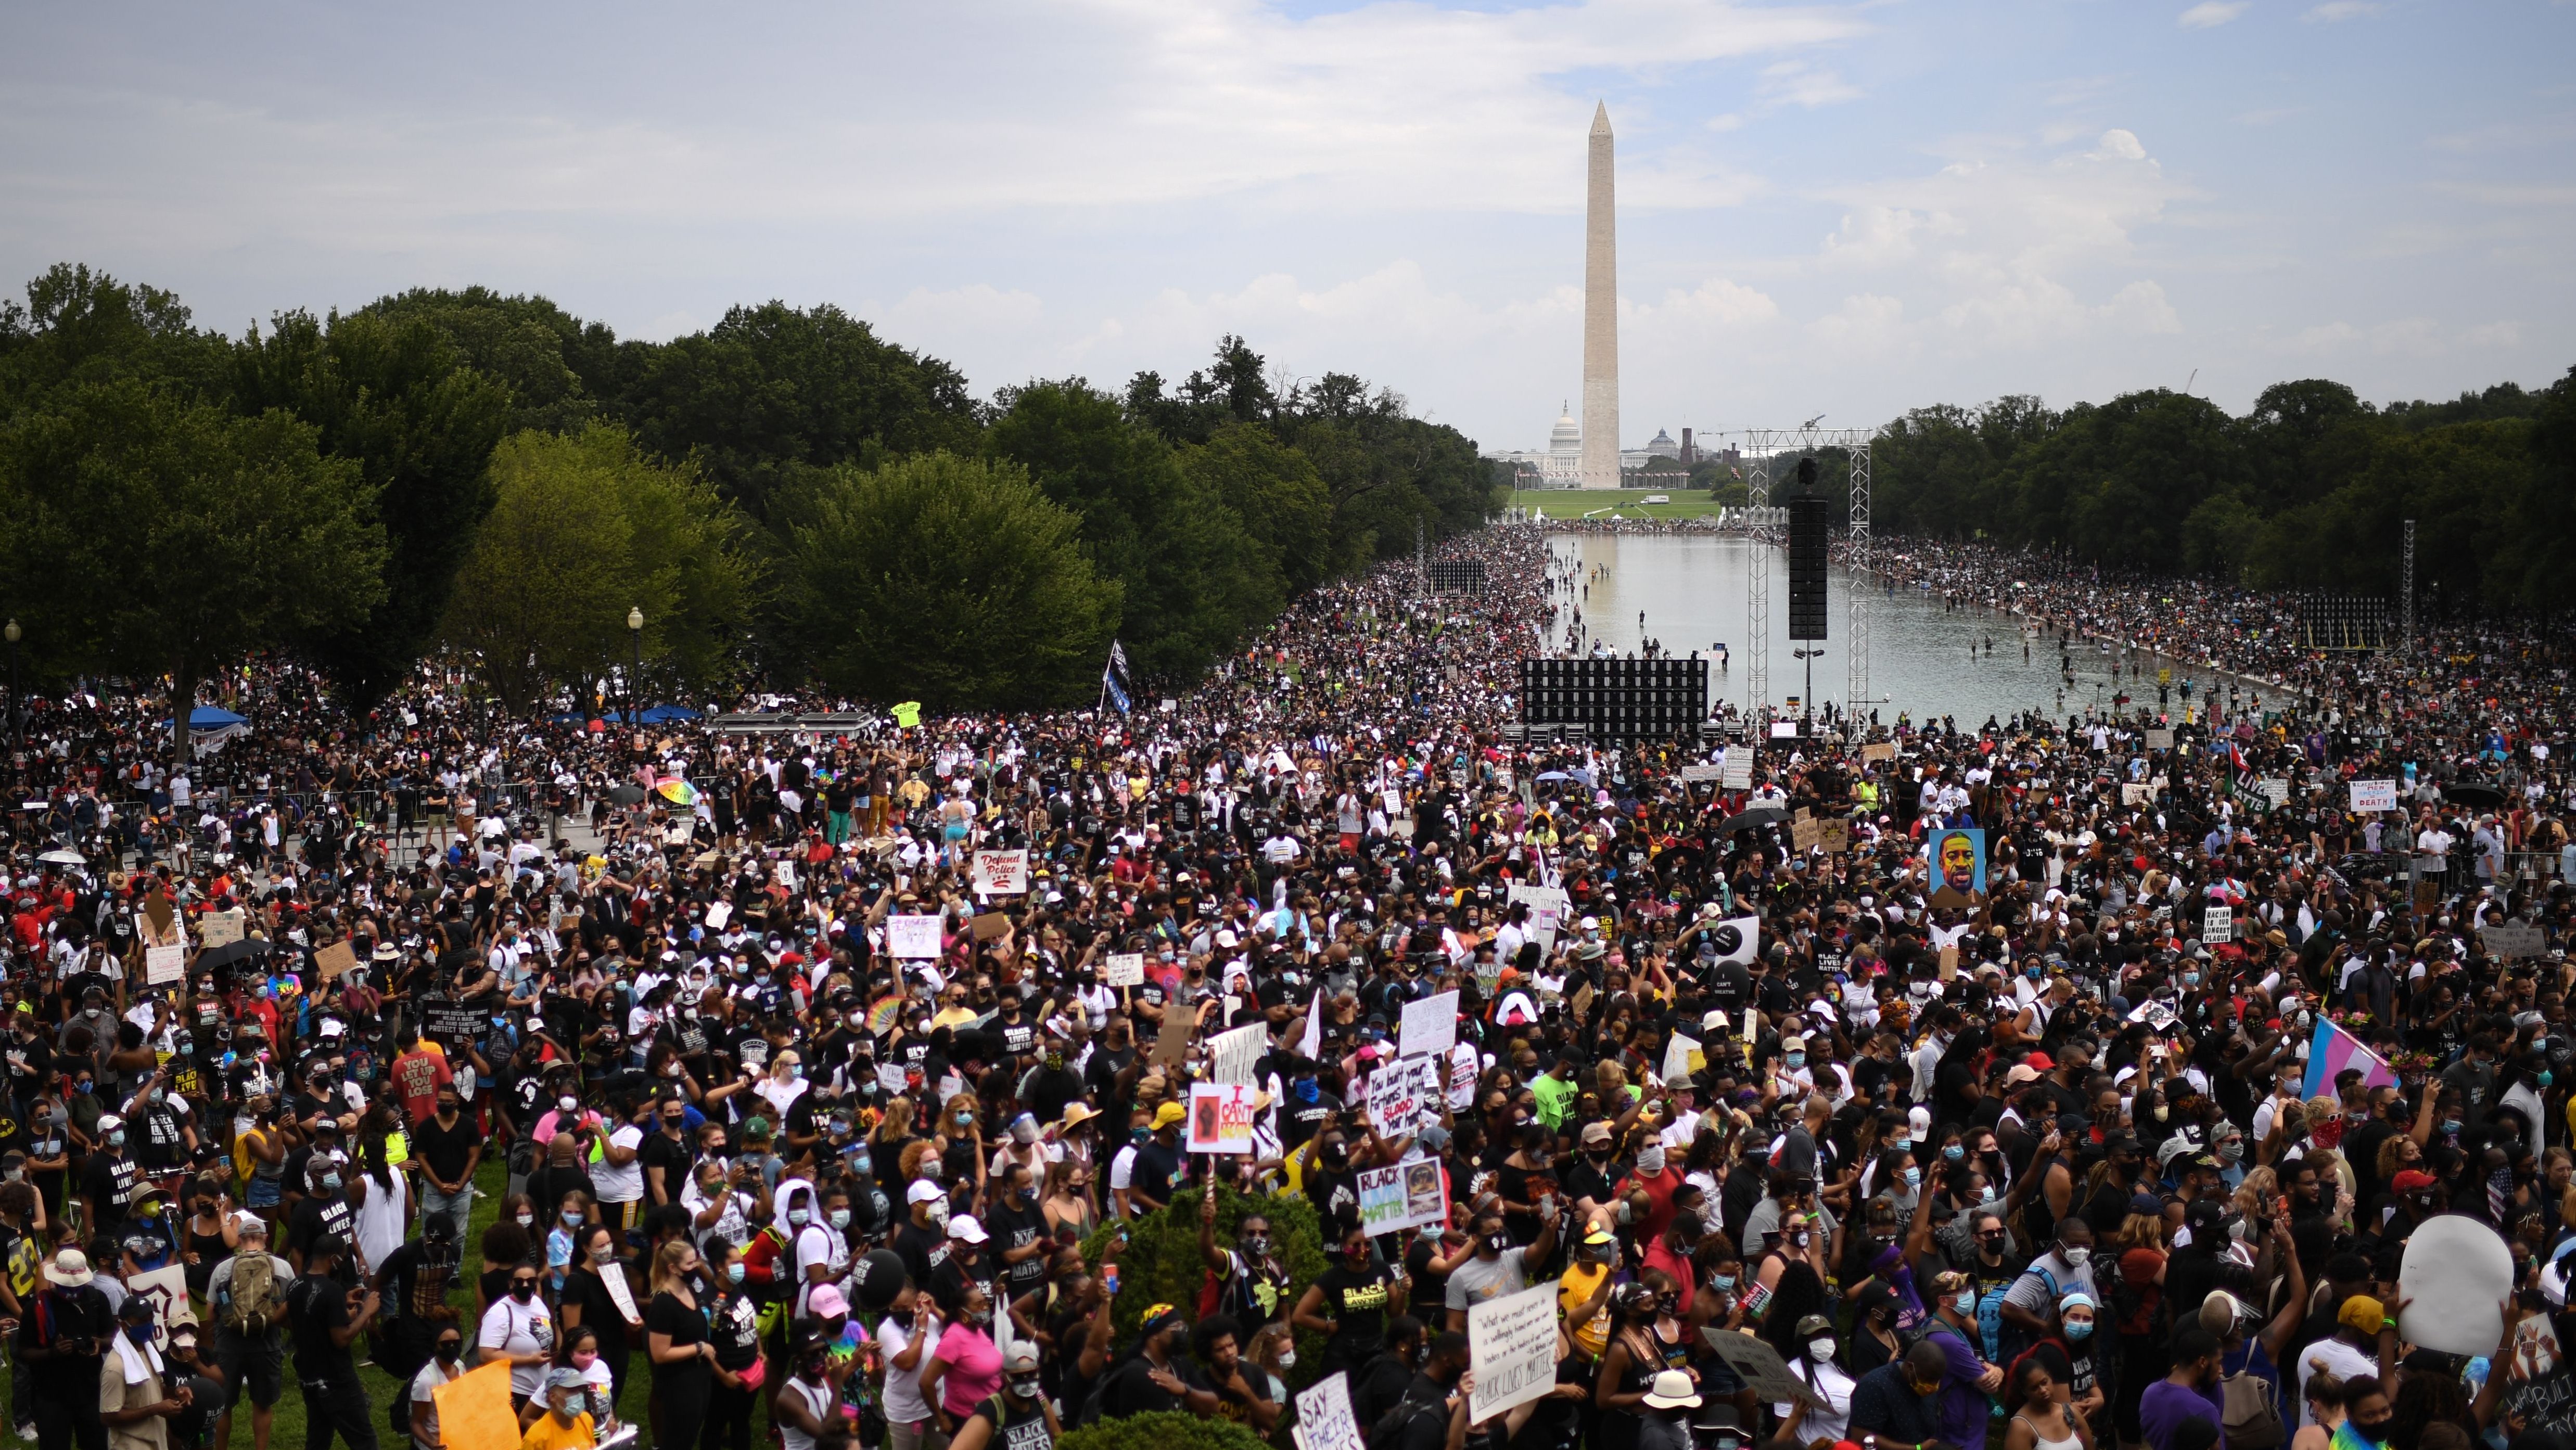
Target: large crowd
1908	1088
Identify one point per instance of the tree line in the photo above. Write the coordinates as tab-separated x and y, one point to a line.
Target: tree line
788	499
2309	490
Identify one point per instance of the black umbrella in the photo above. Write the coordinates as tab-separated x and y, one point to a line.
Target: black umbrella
1757	817
626	795
2473	793
231	952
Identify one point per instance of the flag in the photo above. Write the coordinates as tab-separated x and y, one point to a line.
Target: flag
2331	1052
1310	1045
1113	679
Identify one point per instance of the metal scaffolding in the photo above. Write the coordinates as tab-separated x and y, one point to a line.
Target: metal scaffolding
1856	700
1765	450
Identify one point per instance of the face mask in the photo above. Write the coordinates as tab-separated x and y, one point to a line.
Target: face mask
1796	1059
571	1216
2449	1125
116	1139
1966	1303
2078	1328
797	1216
981	1319
567	1103
330	1181
840	1218
140	1333
1256	1245
1721	1281
81	1087
1913	1177
1288	1359
602	1254
2076	1257
449	1351
527	1220
1954	1152
733	1273
1902	1143
1799	1238
523	1291
1819	1350
1024	1389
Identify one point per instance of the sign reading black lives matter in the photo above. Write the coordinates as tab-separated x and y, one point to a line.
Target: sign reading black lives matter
1511	1348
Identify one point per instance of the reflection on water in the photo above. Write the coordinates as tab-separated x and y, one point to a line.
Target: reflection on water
1924	660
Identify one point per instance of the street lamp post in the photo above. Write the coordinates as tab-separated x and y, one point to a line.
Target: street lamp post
635	681
17	726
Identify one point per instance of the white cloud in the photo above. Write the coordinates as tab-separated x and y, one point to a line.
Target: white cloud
1717	301
2211	13
2334	11
1799	83
1866	328
2414	337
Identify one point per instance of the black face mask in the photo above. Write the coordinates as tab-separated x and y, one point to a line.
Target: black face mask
450	1350
523	1292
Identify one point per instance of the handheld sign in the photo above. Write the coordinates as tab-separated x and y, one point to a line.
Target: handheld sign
1234	1054
1430	1025
164	965
1324	1418
914	938
2456	1272
1002	873
1511	1349
1126	969
334	959
1220	1118
2510	939
1404	1195
2372	796
2217	924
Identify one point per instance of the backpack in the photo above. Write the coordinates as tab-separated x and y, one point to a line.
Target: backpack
249	1306
2014	1339
2251	1411
760	1260
1388	1432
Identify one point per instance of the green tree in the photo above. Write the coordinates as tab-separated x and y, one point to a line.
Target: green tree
1285	508
396	396
556	366
774	386
1193	580
81	326
2115	481
585	528
949	580
150	535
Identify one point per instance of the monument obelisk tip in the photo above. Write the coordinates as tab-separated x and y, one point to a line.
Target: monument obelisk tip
1601	118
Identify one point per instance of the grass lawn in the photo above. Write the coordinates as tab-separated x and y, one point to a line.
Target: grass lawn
1564	503
287	1430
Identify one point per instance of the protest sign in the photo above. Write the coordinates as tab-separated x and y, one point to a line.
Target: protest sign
1464	1064
1430	1025
991	926
2135	794
2511	939
1805	832
474	1408
1681	1055
219	928
1739	767
1697	774
913	938
1126	969
1220	1117
2217	924
164	965
1405	1094
334	959
2371	796
166	1289
1405	1195
1878	750
718	913
1180	1027
2160	739
1001	873
1232	1055
1758	1365
1324	1418
1511	1349
2454	1275
2274	788
2540	1388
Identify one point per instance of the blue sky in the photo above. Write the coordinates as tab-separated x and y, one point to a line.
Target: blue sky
1847	210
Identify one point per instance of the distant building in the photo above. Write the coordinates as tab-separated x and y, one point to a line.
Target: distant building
1560	464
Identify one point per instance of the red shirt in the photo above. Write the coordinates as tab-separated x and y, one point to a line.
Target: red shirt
1659	1191
417	1076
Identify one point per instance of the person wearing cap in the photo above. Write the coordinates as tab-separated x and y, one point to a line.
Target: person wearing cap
134	1401
2364	1343
1143	1176
969	1263
1892	1405
566	1425
327	1317
249	1327
994	1423
1820	1369
1583	1294
1159	1375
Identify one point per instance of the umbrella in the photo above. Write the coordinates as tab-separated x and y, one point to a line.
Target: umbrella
1753	819
231	952
678	792
65	858
2473	793
626	795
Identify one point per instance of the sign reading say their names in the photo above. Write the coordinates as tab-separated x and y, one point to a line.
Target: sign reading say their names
1430	1025
1511	1349
1324	1418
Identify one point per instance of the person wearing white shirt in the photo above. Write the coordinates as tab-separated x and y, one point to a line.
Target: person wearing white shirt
520	1328
907	1336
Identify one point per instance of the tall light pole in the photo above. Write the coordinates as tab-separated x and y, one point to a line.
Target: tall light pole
635	681
17	724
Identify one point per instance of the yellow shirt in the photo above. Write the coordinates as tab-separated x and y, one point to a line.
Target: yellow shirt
1581	1282
549	1433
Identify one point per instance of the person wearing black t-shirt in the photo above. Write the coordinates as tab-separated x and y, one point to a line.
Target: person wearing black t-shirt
327	1316
1349	1304
1161	1376
676	1339
414	1281
323	1213
450	1148
667	1154
588	1304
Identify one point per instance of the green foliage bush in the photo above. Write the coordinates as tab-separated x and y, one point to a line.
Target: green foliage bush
1161	1263
1162	1430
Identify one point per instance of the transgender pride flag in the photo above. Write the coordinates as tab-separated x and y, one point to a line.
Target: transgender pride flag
2331	1052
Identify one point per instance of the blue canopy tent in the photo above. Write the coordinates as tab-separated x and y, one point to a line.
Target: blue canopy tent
209	727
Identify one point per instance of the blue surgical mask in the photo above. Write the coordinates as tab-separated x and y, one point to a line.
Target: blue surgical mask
571	1217
1966	1303
1953	1151
2450	1125
2034	971
2542	1077
1797	1058
2191	979
1902	1143
2078	1328
1721	1281
330	1181
733	1272
1913	1177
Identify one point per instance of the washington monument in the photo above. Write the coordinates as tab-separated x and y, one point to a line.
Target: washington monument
1601	312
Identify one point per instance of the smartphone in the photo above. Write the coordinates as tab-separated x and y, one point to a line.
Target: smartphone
1109	1276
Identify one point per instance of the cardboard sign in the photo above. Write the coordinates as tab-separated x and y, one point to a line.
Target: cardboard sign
2510	940
1126	969
1324	1418
912	938
2137	795
1805	832
2372	796
1406	1195
164	965
991	926
1878	750
2159	739
334	959
219	928
1232	1056
2217	924
1180	1028
1699	774
1430	1025
1511	1349
1001	873
474	1409
1759	1365
1220	1118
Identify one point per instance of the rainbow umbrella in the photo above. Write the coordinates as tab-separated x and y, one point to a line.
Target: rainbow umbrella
678	792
